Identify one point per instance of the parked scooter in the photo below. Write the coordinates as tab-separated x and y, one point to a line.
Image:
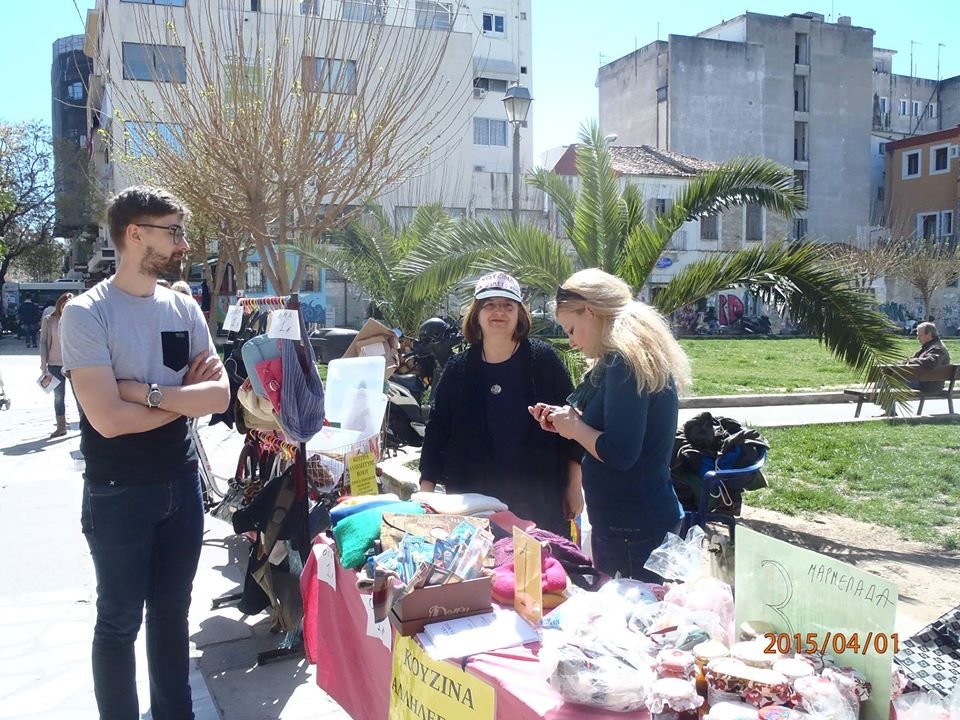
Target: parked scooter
436	342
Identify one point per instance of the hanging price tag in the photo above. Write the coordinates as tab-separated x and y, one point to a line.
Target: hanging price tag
284	324
363	474
234	318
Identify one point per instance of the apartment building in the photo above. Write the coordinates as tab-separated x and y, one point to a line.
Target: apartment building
488	47
69	77
904	106
794	89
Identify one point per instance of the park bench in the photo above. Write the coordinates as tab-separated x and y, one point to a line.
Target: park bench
943	373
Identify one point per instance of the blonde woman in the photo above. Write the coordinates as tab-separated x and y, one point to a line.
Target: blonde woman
182	287
624	415
51	361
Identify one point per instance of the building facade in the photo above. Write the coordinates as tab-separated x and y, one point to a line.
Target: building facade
69	79
923	201
660	176
793	89
487	48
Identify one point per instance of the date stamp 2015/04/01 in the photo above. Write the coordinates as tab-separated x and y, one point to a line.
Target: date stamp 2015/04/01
816	643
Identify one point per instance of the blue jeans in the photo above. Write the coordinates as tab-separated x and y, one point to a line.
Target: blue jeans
626	551
30	333
59	392
145	541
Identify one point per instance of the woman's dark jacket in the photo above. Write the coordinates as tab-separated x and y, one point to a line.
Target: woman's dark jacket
458	447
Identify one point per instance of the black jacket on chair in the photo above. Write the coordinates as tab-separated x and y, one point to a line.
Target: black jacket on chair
458	447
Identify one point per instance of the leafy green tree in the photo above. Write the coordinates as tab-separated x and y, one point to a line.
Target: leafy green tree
373	256
608	229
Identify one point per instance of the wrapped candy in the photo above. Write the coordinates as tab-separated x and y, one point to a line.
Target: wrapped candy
851	682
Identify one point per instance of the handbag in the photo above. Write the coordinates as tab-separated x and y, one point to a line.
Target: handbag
301	408
270	373
258	411
255	351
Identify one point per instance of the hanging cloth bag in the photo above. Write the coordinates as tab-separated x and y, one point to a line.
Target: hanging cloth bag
301	391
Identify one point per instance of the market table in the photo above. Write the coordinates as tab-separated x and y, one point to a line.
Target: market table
355	667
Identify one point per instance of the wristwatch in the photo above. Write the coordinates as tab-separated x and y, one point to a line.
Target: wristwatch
154	396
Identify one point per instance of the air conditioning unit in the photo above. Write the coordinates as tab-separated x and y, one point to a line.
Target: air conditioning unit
479	93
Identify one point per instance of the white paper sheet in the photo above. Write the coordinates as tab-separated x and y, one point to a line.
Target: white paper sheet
461	637
326	568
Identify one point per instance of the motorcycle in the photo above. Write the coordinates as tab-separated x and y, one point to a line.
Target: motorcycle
437	340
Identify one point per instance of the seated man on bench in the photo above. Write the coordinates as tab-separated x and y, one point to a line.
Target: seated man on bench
932	353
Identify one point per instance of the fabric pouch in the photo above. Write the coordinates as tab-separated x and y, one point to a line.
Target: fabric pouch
270	373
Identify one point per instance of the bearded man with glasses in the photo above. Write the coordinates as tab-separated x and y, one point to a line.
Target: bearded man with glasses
142	362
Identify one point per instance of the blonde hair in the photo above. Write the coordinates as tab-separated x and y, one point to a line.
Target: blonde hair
182	287
628	327
61	301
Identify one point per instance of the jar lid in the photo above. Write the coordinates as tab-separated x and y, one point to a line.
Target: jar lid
710	650
793	668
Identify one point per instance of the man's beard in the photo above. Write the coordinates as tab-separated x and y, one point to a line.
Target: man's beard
154	264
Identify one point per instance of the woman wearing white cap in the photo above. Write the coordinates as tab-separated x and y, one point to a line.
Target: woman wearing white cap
480	437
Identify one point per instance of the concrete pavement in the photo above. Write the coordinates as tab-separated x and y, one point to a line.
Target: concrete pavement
47	589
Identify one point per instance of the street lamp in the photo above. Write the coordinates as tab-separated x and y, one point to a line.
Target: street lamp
516	103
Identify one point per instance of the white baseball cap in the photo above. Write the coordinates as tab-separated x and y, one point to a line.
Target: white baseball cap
497	284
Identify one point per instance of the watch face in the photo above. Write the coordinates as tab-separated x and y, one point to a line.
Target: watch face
154	397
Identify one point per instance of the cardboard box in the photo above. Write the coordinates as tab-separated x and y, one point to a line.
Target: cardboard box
441	602
375	338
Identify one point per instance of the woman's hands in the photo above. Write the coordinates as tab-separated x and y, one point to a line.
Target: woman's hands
541	413
552	418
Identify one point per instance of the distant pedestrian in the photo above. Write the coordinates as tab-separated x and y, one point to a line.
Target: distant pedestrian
182	287
29	315
51	360
142	362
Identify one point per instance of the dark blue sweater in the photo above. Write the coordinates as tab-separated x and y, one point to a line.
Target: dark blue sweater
631	488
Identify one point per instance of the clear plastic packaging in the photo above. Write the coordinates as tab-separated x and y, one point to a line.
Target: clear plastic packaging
678	558
584	670
673	694
822	696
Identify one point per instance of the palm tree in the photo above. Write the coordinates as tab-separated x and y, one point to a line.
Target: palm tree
607	229
372	255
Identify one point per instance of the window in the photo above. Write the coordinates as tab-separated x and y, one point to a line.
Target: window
927	225
339	146
801	49
939	159
753	219
75	91
903	107
493	23
146	138
662	94
487	131
433	15
660	207
799	228
308	284
800	141
254	5
523	69
915	108
800	181
332	75
254	277
311	7
878	66
154	63
363	10
911	164
171	3
884	105
710	227
881	149
490	84
946	223
932	110
800	94
242	81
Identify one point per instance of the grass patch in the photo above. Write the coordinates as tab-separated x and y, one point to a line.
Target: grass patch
902	476
736	367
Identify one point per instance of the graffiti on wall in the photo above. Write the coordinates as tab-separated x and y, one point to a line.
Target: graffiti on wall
729	309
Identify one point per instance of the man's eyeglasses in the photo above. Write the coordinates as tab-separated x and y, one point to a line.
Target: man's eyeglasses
177	232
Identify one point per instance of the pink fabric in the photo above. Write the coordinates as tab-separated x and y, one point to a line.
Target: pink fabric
270	373
553	578
355	670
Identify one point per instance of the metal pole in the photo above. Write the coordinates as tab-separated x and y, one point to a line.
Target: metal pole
516	174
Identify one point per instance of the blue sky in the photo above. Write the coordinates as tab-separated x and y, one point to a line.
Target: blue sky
569	39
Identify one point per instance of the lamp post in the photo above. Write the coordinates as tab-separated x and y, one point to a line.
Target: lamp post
516	103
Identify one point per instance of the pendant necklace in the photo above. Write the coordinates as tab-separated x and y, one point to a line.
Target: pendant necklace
495	389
